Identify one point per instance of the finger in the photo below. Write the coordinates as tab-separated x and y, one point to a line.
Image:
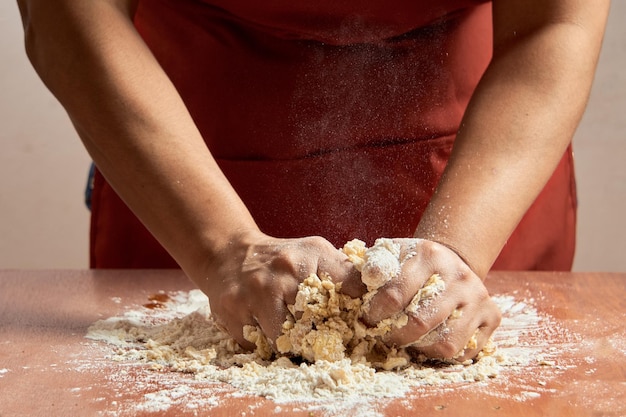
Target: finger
239	319
271	322
272	311
482	335
343	272
426	316
336	264
397	294
230	316
474	345
235	329
459	338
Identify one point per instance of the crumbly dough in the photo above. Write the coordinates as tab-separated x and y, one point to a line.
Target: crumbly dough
381	263
326	325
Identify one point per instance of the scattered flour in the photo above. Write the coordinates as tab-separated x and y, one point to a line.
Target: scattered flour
180	336
343	362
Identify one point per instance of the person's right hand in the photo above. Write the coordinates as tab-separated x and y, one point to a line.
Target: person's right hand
258	276
443	325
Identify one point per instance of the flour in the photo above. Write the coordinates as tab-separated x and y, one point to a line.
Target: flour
381	263
347	369
181	336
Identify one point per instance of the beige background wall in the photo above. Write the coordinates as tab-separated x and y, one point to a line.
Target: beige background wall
44	224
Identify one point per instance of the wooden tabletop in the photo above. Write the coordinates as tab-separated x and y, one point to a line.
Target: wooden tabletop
48	367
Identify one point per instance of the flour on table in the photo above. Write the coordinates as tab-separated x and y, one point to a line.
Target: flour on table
343	360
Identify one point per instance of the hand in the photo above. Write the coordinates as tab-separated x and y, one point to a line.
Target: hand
254	282
443	325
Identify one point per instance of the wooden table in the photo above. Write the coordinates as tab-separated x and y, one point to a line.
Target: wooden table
48	368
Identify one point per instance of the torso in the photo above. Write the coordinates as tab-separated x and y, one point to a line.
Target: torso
332	118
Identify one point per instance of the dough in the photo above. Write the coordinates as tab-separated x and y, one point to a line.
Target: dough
329	326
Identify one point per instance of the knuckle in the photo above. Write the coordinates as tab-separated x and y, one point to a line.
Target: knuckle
316	241
446	349
317	245
466	275
419	326
392	300
498	317
227	307
258	283
431	250
228	297
289	262
495	318
482	294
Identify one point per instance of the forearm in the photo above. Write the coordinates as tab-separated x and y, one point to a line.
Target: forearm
515	130
134	124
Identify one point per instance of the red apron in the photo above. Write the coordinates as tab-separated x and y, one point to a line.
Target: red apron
329	118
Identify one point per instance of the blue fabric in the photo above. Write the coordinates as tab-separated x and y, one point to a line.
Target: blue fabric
89	186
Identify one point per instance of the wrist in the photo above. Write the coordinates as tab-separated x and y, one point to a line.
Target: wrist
467	255
221	255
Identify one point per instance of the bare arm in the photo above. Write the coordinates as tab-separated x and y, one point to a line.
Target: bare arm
134	124
516	128
519	122
139	133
